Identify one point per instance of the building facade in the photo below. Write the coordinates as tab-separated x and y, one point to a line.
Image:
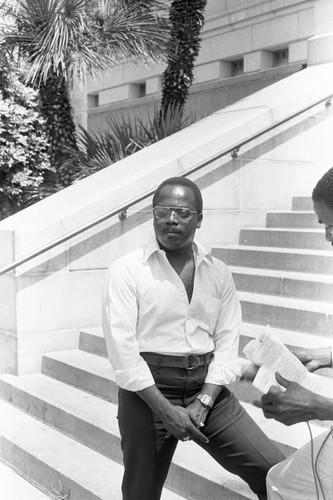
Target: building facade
246	45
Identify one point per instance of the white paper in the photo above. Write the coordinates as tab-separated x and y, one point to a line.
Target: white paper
273	356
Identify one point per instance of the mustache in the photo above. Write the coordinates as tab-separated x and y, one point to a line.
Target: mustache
171	230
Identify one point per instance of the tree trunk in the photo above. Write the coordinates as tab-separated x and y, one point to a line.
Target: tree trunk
187	20
57	111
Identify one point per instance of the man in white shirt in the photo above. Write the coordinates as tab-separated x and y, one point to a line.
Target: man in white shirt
171	321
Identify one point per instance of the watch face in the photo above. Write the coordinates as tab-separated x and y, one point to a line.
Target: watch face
205	400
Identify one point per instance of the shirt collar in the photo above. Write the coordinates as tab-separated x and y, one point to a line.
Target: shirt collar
200	253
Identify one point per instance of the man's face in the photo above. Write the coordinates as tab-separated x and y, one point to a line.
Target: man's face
325	216
172	232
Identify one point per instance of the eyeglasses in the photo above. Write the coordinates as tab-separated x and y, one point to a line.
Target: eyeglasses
182	213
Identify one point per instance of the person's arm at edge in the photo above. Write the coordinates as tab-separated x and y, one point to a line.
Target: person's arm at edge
314	358
295	404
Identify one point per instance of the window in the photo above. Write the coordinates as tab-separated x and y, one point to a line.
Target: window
237	67
93	100
280	57
142	89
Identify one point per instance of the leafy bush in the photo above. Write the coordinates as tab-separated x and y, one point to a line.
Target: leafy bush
24	159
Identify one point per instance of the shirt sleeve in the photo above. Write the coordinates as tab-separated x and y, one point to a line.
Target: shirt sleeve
226	365
119	319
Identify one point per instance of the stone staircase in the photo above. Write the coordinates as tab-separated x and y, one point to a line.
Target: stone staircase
58	428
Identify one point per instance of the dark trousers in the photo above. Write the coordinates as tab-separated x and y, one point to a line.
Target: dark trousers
235	440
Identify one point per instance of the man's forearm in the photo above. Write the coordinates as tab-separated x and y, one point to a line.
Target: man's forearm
212	390
155	399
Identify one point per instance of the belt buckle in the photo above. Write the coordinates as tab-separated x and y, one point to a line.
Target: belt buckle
188	364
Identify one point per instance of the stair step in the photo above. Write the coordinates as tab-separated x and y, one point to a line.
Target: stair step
57	462
287	313
82	416
283	259
271	427
15	487
284	238
302	203
92	422
250	331
287	284
53	459
292	219
98	346
82	370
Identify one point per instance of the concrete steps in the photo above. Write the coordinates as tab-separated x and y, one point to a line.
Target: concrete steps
284	276
89	373
302	203
282	259
291	338
284	238
305	286
92	341
295	219
74	423
59	428
89	437
284	272
287	313
61	465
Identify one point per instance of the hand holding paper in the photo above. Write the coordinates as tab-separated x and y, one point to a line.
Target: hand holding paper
273	356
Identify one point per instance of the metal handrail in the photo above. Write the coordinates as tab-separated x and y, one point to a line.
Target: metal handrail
123	208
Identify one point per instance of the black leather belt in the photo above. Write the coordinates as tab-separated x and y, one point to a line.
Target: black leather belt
189	361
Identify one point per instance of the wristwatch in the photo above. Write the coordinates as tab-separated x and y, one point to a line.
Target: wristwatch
205	400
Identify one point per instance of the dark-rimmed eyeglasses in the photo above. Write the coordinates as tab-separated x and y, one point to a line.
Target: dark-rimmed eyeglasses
182	213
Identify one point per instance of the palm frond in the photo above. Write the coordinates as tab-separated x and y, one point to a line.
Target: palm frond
122	137
161	124
62	37
135	29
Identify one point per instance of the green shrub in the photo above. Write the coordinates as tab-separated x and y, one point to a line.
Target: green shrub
24	159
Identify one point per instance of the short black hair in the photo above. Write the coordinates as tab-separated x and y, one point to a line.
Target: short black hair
323	190
181	181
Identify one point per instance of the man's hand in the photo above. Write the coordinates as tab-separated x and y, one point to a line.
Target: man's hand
313	359
181	423
198	413
294	405
175	418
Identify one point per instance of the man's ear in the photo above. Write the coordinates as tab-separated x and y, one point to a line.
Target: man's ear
199	221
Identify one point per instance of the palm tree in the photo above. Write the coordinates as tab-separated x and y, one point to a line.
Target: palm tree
186	20
65	39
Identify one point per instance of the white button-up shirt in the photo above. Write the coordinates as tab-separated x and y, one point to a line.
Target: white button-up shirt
146	309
